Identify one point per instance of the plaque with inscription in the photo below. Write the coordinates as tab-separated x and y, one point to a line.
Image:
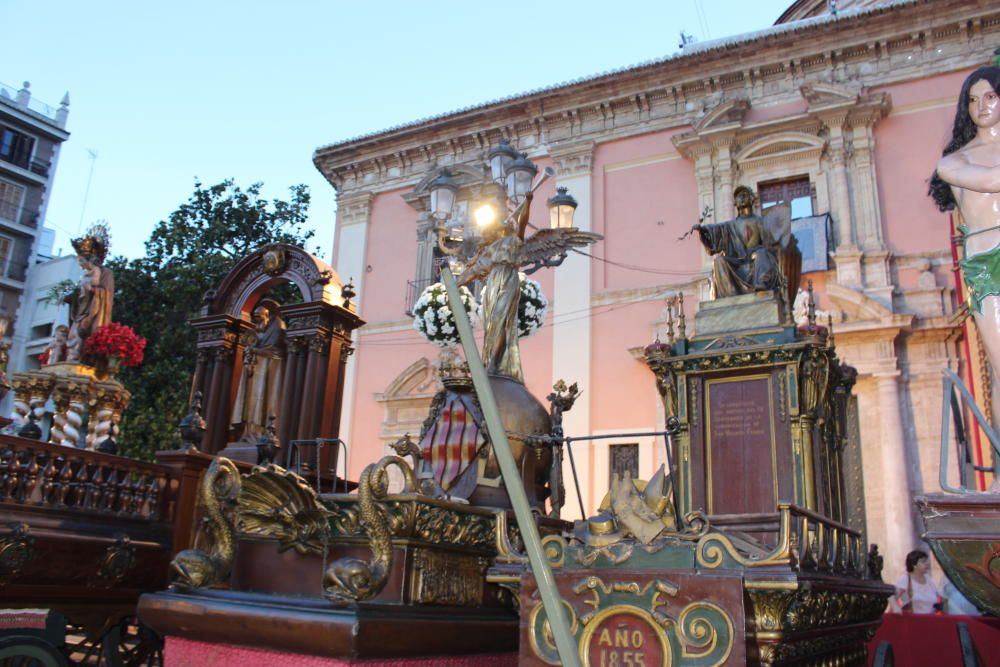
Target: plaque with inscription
740	475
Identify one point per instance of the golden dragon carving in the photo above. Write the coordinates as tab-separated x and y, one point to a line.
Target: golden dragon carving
352	579
194	568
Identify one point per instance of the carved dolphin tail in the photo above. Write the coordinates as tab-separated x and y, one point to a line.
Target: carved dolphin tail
352	579
194	568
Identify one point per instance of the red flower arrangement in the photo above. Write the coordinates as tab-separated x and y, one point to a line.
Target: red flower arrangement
116	340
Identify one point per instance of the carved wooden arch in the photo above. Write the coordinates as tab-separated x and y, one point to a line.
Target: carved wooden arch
272	265
318	337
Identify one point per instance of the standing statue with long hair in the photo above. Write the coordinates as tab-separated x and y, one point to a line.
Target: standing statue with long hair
968	177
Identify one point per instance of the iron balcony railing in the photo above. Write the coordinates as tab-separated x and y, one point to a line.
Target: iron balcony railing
40	167
414	288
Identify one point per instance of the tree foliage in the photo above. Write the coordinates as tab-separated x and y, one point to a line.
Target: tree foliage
186	255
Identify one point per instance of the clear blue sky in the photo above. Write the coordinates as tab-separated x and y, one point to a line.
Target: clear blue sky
167	92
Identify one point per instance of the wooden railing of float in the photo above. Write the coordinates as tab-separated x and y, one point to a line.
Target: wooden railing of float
45	475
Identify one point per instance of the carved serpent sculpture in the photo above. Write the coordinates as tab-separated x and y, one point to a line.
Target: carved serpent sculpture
194	568
352	579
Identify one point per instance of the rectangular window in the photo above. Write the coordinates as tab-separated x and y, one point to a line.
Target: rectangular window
623	458
796	191
16	147
6	246
11	200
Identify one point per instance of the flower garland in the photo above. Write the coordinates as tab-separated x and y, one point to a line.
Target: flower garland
432	315
531	307
116	340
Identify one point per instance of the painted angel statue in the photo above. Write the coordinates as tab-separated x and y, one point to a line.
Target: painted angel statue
503	253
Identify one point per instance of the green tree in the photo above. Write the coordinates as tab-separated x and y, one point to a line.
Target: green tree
186	255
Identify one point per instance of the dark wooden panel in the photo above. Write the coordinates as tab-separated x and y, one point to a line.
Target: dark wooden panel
739	472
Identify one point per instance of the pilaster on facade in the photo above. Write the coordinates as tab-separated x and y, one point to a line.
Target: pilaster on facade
573	160
571	336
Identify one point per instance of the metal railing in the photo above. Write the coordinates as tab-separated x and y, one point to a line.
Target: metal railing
952	410
40	167
414	288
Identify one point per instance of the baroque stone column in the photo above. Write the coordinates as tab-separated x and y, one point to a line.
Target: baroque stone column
900	534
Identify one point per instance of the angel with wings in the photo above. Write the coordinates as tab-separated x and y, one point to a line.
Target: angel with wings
747	251
502	254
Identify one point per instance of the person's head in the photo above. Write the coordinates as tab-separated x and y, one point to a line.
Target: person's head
967	122
61	333
918	561
744	198
86	262
261	316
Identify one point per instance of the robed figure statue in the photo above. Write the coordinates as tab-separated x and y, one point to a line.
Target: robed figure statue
90	305
259	392
745	250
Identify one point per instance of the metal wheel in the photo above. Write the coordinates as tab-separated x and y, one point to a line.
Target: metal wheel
24	651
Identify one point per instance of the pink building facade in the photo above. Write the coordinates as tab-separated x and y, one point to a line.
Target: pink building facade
843	115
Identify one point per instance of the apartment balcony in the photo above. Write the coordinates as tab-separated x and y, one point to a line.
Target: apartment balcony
18	215
38	167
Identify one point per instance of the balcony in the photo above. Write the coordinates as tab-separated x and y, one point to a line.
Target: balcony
19	215
414	288
39	167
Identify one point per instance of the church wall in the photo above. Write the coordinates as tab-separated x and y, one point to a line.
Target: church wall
391	254
645	197
922	109
381	358
623	394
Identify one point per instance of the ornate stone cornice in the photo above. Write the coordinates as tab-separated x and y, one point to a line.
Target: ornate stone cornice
875	48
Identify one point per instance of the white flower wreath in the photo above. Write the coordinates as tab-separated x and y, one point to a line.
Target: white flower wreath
531	307
433	318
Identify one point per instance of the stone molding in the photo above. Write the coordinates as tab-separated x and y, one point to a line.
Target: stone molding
354	209
895	44
573	160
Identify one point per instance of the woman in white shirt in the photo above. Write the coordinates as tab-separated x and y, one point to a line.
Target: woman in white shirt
915	591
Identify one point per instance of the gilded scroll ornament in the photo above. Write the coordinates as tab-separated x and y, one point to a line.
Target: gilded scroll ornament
118	561
194	568
17	548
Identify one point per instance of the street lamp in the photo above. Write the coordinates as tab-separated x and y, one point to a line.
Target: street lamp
514	176
500	157
443	190
561	209
519	174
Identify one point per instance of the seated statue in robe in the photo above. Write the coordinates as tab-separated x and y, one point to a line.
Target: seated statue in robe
744	250
259	393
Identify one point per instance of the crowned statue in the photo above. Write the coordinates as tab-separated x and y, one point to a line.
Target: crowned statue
968	178
90	304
